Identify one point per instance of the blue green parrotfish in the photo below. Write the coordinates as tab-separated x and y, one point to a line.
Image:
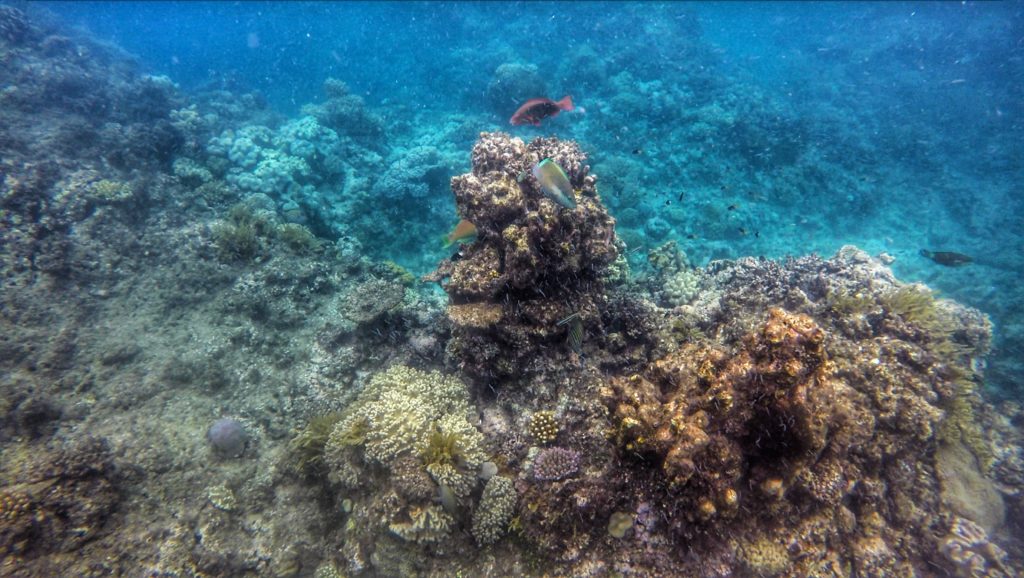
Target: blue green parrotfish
554	183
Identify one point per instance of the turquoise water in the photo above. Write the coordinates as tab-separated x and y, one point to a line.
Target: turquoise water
220	210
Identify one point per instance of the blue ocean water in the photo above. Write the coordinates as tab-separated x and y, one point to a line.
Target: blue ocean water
735	129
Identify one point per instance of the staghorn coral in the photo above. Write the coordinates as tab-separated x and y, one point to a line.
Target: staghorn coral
534	261
494	512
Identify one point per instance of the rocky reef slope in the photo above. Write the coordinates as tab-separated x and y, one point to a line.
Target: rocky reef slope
203	373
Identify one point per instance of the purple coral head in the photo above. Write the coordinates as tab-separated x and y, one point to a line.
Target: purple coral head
555	464
228	437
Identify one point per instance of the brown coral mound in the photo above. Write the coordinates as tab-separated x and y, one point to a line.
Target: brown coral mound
804	429
727	429
537	261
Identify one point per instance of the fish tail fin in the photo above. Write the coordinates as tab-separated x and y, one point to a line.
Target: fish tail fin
565	103
445	241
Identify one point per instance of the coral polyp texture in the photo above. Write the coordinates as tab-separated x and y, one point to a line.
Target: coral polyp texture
534	262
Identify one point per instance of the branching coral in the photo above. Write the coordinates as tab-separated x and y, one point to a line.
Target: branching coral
553	464
401	407
493	514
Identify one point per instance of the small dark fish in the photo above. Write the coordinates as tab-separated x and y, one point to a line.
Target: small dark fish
742	231
575	338
732	208
757	234
638	151
668	202
681	196
947	258
691	236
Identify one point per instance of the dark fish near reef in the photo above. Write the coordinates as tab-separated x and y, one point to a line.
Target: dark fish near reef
537	109
947	258
554	183
464	231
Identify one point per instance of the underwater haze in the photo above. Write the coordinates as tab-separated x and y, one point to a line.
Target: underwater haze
511	288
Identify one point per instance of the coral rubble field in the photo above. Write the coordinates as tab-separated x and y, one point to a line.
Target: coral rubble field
231	343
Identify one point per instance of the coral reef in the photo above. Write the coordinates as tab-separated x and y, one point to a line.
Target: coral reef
55	501
534	262
552	464
968	547
543	427
495	510
587	395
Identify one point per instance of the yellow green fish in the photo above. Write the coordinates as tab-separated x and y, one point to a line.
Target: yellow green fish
554	183
464	231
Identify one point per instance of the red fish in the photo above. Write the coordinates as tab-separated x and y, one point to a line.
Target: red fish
537	109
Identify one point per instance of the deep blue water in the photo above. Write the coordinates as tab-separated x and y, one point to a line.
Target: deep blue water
736	129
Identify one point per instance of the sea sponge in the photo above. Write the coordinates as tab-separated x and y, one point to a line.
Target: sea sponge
492	515
228	437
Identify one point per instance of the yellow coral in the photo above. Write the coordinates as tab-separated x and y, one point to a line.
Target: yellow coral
543	427
764	557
